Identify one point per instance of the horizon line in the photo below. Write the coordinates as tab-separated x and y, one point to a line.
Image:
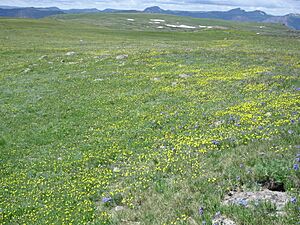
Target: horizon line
139	10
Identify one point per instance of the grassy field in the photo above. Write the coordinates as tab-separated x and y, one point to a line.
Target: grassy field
188	116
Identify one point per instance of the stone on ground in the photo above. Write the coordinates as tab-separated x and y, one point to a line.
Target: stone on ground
279	199
222	220
70	53
120	57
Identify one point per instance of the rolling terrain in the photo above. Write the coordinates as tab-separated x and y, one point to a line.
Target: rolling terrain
108	119
290	20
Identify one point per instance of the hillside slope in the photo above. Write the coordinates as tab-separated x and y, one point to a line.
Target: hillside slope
238	14
28	12
162	22
290	20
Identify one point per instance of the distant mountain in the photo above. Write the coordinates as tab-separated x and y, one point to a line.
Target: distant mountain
290	20
32	12
129	11
8	7
36	13
78	11
234	14
49	9
154	9
120	11
238	14
293	21
29	12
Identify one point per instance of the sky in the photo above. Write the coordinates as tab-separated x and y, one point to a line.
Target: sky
275	7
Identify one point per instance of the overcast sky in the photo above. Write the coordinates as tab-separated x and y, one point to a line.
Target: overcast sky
277	7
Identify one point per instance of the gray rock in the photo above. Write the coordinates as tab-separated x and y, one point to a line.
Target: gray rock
43	57
279	199
119	208
70	53
129	222
185	75
218	123
27	70
116	170
156	79
120	57
192	221
72	63
104	56
222	220
99	79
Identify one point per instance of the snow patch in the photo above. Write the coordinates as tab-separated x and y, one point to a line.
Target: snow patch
213	27
180	26
157	20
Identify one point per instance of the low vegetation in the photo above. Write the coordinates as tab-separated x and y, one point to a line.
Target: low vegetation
102	125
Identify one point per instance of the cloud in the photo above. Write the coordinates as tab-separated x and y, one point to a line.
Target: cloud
270	6
243	3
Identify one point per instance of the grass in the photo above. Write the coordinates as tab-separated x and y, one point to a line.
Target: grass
75	129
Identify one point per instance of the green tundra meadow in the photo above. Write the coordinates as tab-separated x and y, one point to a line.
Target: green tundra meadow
105	120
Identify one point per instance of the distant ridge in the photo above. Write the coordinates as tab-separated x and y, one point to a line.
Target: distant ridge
154	9
30	12
110	10
8	7
78	11
238	14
